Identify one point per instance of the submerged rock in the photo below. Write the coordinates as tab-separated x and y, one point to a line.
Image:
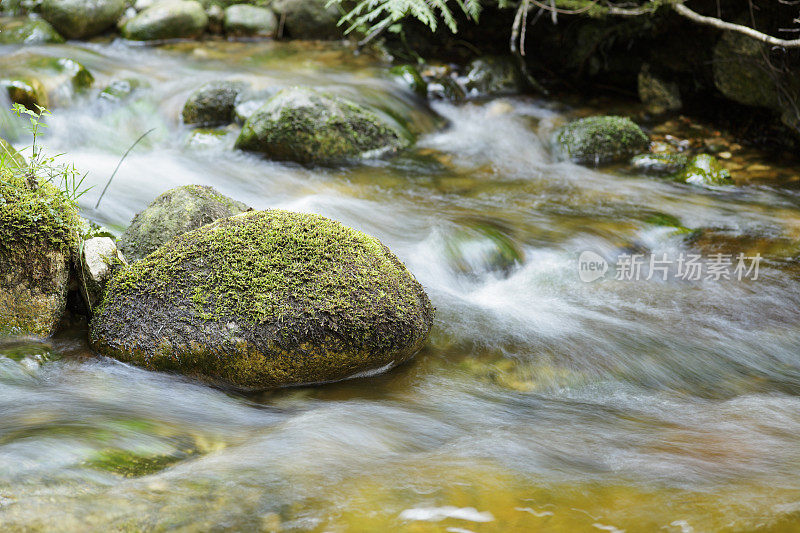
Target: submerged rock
481	249
38	234
99	257
212	104
309	19
659	164
660	96
45	80
25	90
265	299
244	20
120	89
704	169
494	75
175	212
307	126
78	19
28	31
602	139
167	19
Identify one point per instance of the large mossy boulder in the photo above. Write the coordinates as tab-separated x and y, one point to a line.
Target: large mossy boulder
78	19
167	19
27	31
242	20
310	19
38	236
265	299
176	211
307	126
600	140
212	104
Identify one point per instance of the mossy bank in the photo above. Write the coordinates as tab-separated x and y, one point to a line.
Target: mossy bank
265	299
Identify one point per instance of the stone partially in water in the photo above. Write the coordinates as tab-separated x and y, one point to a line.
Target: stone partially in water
704	170
119	90
27	31
659	164
78	19
600	140
167	19
409	76
265	299
99	256
494	75
47	81
25	90
175	212
307	126
243	20
212	104
38	234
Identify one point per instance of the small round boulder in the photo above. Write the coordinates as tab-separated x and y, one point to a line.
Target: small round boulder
601	140
307	126
265	299
212	104
242	20
176	211
167	19
78	19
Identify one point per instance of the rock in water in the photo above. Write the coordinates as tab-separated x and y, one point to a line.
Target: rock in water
99	256
494	75
27	31
603	139
265	299
659	164
78	19
243	20
176	211
38	234
705	170
212	104
307	126
310	19
167	19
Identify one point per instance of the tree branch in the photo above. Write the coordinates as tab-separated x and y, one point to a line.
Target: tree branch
722	25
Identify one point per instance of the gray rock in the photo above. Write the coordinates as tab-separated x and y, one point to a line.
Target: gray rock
659	164
309	19
600	140
173	213
78	19
494	75
212	104
243	20
28	31
99	258
167	19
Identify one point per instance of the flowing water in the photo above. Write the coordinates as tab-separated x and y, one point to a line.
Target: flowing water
542	403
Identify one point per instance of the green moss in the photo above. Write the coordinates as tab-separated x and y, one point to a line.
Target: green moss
130	464
212	104
266	298
307	126
659	164
704	169
27	31
602	139
411	77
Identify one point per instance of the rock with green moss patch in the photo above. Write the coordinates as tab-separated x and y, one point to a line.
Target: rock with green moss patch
78	19
9	158
27	31
659	164
705	170
119	90
212	104
242	20
494	75
175	212
167	19
310	19
600	140
409	76
25	90
265	299
38	235
306	126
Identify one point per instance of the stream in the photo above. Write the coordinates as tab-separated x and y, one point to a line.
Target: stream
541	403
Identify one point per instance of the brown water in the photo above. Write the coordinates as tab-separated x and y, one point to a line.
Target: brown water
542	403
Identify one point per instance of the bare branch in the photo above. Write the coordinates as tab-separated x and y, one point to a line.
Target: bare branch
722	25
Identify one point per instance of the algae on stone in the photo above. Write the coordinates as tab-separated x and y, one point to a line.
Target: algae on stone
264	299
212	104
601	139
704	169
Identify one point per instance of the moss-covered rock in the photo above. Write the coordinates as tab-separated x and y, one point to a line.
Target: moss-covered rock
78	19
119	90
38	235
409	76
175	212
167	19
264	299
309	19
242	20
27	31
602	139
25	90
494	75
659	95
659	164
704	169
212	104
306	126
